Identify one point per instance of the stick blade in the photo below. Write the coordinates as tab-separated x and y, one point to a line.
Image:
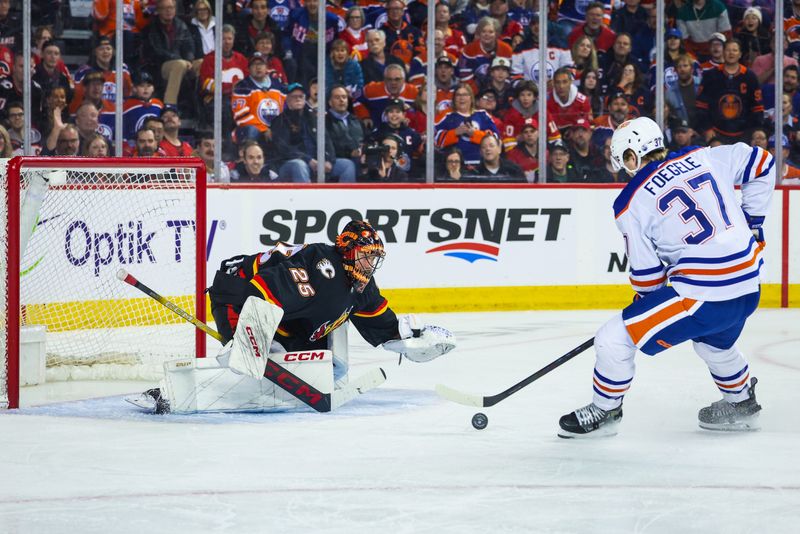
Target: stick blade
459	397
369	380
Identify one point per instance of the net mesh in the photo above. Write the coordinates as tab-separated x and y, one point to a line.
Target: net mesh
93	222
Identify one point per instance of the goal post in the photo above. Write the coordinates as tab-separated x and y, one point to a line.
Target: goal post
67	225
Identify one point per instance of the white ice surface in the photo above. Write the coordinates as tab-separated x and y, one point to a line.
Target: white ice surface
400	460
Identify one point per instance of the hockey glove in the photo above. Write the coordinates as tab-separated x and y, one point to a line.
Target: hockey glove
755	223
420	343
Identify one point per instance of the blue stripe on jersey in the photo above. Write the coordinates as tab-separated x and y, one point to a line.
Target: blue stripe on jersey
731	257
613	382
746	175
733	392
643	272
726	378
605	395
718	283
648	301
765	172
644	173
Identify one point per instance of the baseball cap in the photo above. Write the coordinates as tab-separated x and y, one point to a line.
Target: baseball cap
582	123
558	144
445	60
501	62
93	76
170	109
257	56
616	94
102	40
487	91
716	36
142	77
784	141
674	32
396	103
530	122
683	125
295	87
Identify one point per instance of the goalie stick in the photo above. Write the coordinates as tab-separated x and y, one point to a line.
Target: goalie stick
281	377
128	278
485	401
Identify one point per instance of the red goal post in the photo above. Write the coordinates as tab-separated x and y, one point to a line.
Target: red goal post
94	216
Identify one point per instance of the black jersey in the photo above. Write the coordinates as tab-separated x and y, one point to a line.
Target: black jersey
309	283
730	104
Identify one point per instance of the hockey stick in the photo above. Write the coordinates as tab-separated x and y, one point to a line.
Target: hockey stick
286	380
128	278
483	402
369	380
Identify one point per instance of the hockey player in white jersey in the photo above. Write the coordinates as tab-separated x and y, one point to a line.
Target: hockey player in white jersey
695	255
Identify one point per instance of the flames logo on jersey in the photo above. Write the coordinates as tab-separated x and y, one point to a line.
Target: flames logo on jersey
327	327
325	267
730	106
268	109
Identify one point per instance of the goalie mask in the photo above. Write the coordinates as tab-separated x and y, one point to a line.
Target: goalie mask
362	252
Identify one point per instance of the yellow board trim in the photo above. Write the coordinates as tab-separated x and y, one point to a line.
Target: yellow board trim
84	315
510	298
474	299
63	316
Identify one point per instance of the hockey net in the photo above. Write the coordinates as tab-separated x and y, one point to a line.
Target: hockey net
77	222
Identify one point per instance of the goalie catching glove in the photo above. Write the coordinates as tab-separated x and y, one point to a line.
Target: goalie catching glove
420	343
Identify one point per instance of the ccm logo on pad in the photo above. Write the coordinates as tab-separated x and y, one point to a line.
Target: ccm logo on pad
304	356
252	341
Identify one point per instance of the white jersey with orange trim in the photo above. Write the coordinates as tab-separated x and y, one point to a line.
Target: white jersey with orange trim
683	224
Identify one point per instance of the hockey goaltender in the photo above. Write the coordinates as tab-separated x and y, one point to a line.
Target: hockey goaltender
277	313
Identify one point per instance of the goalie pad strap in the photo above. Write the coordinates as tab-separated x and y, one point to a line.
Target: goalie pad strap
297	387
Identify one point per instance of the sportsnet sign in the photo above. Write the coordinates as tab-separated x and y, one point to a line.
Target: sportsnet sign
436	237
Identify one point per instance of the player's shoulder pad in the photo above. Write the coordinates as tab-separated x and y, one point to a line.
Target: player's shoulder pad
322	259
683	151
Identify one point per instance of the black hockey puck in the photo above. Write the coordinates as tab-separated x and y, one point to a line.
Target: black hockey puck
479	421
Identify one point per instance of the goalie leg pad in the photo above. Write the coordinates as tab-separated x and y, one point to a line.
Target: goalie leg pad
253	337
192	386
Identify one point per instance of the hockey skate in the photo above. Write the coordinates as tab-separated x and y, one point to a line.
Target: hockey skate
732	416
590	421
151	400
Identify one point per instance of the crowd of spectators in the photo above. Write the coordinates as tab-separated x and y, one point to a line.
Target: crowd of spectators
719	85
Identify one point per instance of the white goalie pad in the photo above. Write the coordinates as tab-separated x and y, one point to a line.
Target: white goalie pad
192	386
432	342
253	337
